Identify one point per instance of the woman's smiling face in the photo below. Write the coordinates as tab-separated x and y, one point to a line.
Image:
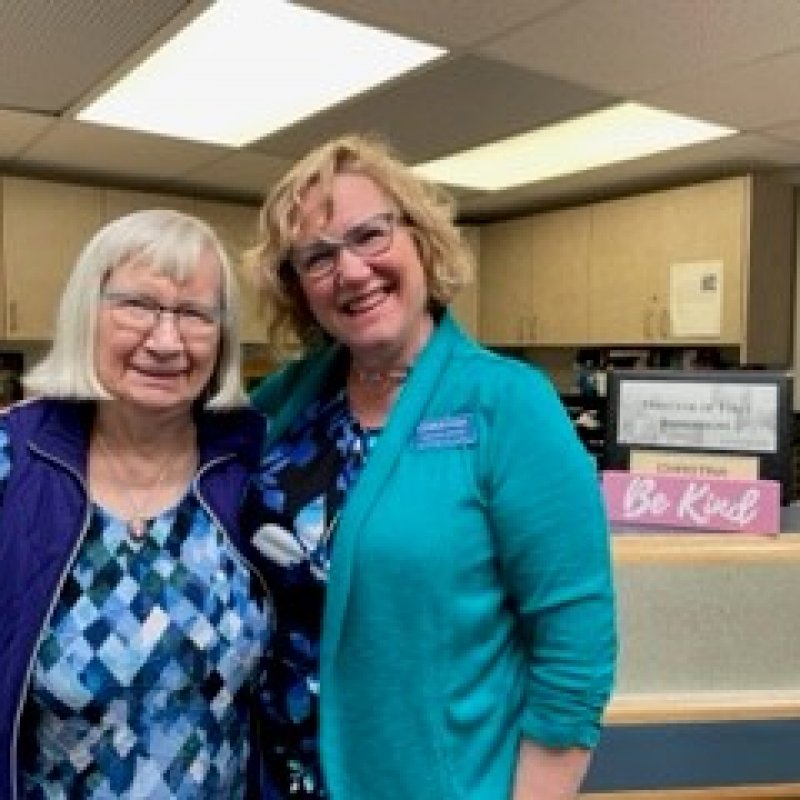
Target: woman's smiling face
163	368
375	305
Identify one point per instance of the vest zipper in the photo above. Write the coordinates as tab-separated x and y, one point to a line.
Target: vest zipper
236	549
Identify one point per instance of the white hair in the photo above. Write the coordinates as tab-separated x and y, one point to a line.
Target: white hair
170	243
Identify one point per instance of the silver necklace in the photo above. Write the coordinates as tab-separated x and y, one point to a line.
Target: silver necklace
136	523
389	377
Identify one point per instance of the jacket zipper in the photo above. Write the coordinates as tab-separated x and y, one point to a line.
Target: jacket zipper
239	554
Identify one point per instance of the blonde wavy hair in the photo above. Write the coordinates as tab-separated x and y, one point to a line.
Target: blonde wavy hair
446	259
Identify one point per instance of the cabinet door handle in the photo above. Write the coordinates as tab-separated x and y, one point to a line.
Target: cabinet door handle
12	316
647	323
663	323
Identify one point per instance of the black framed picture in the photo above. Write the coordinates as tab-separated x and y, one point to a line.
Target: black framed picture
728	412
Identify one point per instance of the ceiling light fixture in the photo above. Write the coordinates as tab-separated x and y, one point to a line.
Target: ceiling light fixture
619	133
246	68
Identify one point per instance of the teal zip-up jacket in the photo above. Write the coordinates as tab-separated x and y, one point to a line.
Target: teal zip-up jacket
470	598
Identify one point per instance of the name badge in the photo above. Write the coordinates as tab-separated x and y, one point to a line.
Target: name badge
456	431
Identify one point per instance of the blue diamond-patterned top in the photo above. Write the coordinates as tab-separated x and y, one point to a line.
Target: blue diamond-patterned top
293	504
143	678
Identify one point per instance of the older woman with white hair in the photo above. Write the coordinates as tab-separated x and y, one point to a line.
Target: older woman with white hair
133	616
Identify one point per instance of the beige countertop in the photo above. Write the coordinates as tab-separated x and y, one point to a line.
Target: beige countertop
631	547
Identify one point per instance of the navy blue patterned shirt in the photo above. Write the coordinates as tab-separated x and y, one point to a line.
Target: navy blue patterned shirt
293	506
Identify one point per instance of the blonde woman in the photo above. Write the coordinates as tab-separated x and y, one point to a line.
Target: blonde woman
441	560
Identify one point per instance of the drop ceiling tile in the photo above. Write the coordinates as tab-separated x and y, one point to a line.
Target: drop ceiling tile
451	23
97	149
55	52
750	97
18	130
242	171
627	46
459	103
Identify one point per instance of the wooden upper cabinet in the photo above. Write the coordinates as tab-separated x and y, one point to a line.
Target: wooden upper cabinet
558	273
704	225
639	242
237	227
707	264
533	279
613	273
504	303
464	306
45	226
623	283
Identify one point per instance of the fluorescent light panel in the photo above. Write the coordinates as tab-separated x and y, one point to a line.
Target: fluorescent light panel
245	68
614	134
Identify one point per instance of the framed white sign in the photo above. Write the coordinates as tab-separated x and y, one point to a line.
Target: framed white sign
700	416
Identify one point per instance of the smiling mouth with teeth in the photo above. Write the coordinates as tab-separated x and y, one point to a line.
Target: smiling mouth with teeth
365	303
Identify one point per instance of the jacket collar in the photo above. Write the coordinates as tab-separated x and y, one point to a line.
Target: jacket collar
64	429
235	431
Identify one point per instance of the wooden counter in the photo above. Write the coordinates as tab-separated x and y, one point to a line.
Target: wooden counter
703	706
696	548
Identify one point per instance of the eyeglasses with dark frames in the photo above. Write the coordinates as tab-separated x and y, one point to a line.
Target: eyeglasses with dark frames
140	313
367	239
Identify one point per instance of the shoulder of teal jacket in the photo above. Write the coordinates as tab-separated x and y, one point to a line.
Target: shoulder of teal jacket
268	391
285	393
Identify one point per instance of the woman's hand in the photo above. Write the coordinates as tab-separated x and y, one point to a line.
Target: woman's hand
549	774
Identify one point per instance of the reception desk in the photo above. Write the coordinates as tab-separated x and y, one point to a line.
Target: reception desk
708	692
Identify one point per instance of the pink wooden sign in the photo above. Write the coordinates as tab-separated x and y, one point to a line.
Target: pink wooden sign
717	504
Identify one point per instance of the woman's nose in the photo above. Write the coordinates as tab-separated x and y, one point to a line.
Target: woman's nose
165	334
352	267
